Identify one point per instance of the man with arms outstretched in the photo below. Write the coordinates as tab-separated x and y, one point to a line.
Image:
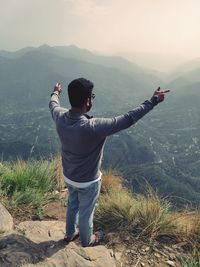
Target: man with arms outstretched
82	142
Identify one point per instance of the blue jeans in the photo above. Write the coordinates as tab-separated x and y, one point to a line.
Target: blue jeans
80	211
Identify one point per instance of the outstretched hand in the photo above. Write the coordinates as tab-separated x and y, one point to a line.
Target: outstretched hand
57	88
160	94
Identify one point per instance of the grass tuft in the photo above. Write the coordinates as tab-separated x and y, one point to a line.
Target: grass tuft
110	181
143	216
154	216
115	210
193	261
58	173
27	183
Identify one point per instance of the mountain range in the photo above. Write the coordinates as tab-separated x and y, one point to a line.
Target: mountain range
163	149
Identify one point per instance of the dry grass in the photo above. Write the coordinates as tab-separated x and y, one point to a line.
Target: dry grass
154	217
189	225
115	210
110	181
58	173
143	216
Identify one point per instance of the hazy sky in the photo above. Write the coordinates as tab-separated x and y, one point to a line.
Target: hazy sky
158	26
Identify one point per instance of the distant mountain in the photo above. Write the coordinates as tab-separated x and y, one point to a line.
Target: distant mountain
188	66
73	52
15	54
34	73
189	71
159	63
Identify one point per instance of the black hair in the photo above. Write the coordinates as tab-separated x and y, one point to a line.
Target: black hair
78	91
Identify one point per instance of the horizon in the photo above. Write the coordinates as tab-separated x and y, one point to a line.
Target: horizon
109	27
163	63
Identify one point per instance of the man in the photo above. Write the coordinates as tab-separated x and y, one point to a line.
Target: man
82	141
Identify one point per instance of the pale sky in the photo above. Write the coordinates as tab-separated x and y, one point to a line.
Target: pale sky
108	26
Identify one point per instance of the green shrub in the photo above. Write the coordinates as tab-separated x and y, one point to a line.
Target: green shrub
27	182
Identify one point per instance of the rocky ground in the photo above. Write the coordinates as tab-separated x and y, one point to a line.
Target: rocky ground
40	243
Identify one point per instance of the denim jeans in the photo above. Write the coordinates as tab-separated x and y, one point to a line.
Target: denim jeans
80	211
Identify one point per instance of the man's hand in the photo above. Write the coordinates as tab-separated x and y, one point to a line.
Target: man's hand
160	94
57	88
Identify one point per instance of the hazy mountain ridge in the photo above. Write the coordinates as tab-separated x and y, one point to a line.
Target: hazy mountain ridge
163	148
157	62
73	52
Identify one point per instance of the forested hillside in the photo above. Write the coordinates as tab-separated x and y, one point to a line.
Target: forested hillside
163	149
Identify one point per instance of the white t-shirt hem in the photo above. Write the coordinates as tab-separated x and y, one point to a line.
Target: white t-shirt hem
81	185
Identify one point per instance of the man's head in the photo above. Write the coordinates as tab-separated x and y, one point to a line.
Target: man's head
80	93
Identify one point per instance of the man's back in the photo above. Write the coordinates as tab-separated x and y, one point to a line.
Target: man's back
82	147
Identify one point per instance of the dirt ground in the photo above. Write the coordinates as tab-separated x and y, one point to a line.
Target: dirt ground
56	209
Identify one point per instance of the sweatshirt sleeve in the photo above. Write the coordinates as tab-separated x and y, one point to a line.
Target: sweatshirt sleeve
108	126
54	106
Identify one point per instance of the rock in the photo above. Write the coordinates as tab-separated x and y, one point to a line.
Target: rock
99	256
6	221
40	243
40	231
118	255
159	252
172	256
111	252
142	264
64	190
142	252
171	263
157	255
169	249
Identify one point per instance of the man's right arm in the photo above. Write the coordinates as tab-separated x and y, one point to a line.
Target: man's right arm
107	126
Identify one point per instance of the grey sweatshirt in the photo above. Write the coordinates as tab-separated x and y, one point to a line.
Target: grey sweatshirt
82	138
